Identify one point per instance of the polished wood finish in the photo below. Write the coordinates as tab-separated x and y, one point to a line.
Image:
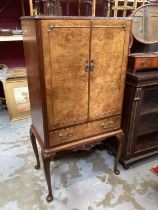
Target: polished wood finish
31	7
142	61
120	138
140	106
69	88
46	165
84	130
34	145
34	76
76	86
109	87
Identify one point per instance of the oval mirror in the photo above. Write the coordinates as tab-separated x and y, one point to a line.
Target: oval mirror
145	24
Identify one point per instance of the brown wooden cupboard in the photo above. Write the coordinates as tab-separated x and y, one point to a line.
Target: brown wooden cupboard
76	70
139	119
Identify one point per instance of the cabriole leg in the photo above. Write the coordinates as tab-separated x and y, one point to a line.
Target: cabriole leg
34	145
120	138
46	166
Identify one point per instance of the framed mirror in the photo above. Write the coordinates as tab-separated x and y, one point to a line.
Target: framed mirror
145	24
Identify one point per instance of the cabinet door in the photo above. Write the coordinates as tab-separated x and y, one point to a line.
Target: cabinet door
146	124
66	49
109	50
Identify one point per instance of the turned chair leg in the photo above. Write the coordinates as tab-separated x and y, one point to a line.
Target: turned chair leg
120	138
46	166
34	145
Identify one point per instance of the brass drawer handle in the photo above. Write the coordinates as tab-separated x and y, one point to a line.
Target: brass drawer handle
107	125
66	138
143	62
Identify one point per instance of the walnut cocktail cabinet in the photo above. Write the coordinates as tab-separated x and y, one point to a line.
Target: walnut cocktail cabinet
76	73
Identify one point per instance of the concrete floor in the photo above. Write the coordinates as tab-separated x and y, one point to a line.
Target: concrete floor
81	181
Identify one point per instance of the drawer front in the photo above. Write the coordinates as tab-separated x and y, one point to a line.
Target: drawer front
142	63
81	131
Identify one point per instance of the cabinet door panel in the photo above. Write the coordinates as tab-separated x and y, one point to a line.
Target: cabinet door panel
108	52
66	50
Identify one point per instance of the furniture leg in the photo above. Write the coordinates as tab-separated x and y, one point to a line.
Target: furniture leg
126	166
34	145
120	138
46	166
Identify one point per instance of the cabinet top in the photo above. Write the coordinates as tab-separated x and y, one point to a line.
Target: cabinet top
74	18
141	76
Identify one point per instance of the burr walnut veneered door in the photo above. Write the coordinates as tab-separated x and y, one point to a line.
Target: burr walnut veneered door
66	50
109	50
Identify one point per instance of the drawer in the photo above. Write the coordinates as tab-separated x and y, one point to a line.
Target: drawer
85	130
138	62
142	63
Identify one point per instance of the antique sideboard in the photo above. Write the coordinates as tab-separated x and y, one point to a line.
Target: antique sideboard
76	69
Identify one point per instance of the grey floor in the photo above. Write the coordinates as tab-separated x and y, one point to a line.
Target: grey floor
82	181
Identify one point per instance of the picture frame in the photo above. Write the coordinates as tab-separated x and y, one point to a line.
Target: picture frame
17	98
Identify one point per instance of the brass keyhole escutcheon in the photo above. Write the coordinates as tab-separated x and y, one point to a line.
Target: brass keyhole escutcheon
89	65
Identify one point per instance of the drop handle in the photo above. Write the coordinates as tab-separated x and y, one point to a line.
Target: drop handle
66	137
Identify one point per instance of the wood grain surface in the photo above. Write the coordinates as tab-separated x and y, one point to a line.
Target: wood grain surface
65	53
33	75
81	131
74	108
108	51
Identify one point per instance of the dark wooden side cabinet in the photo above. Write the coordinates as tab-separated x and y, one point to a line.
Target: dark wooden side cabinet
140	117
76	74
140	108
